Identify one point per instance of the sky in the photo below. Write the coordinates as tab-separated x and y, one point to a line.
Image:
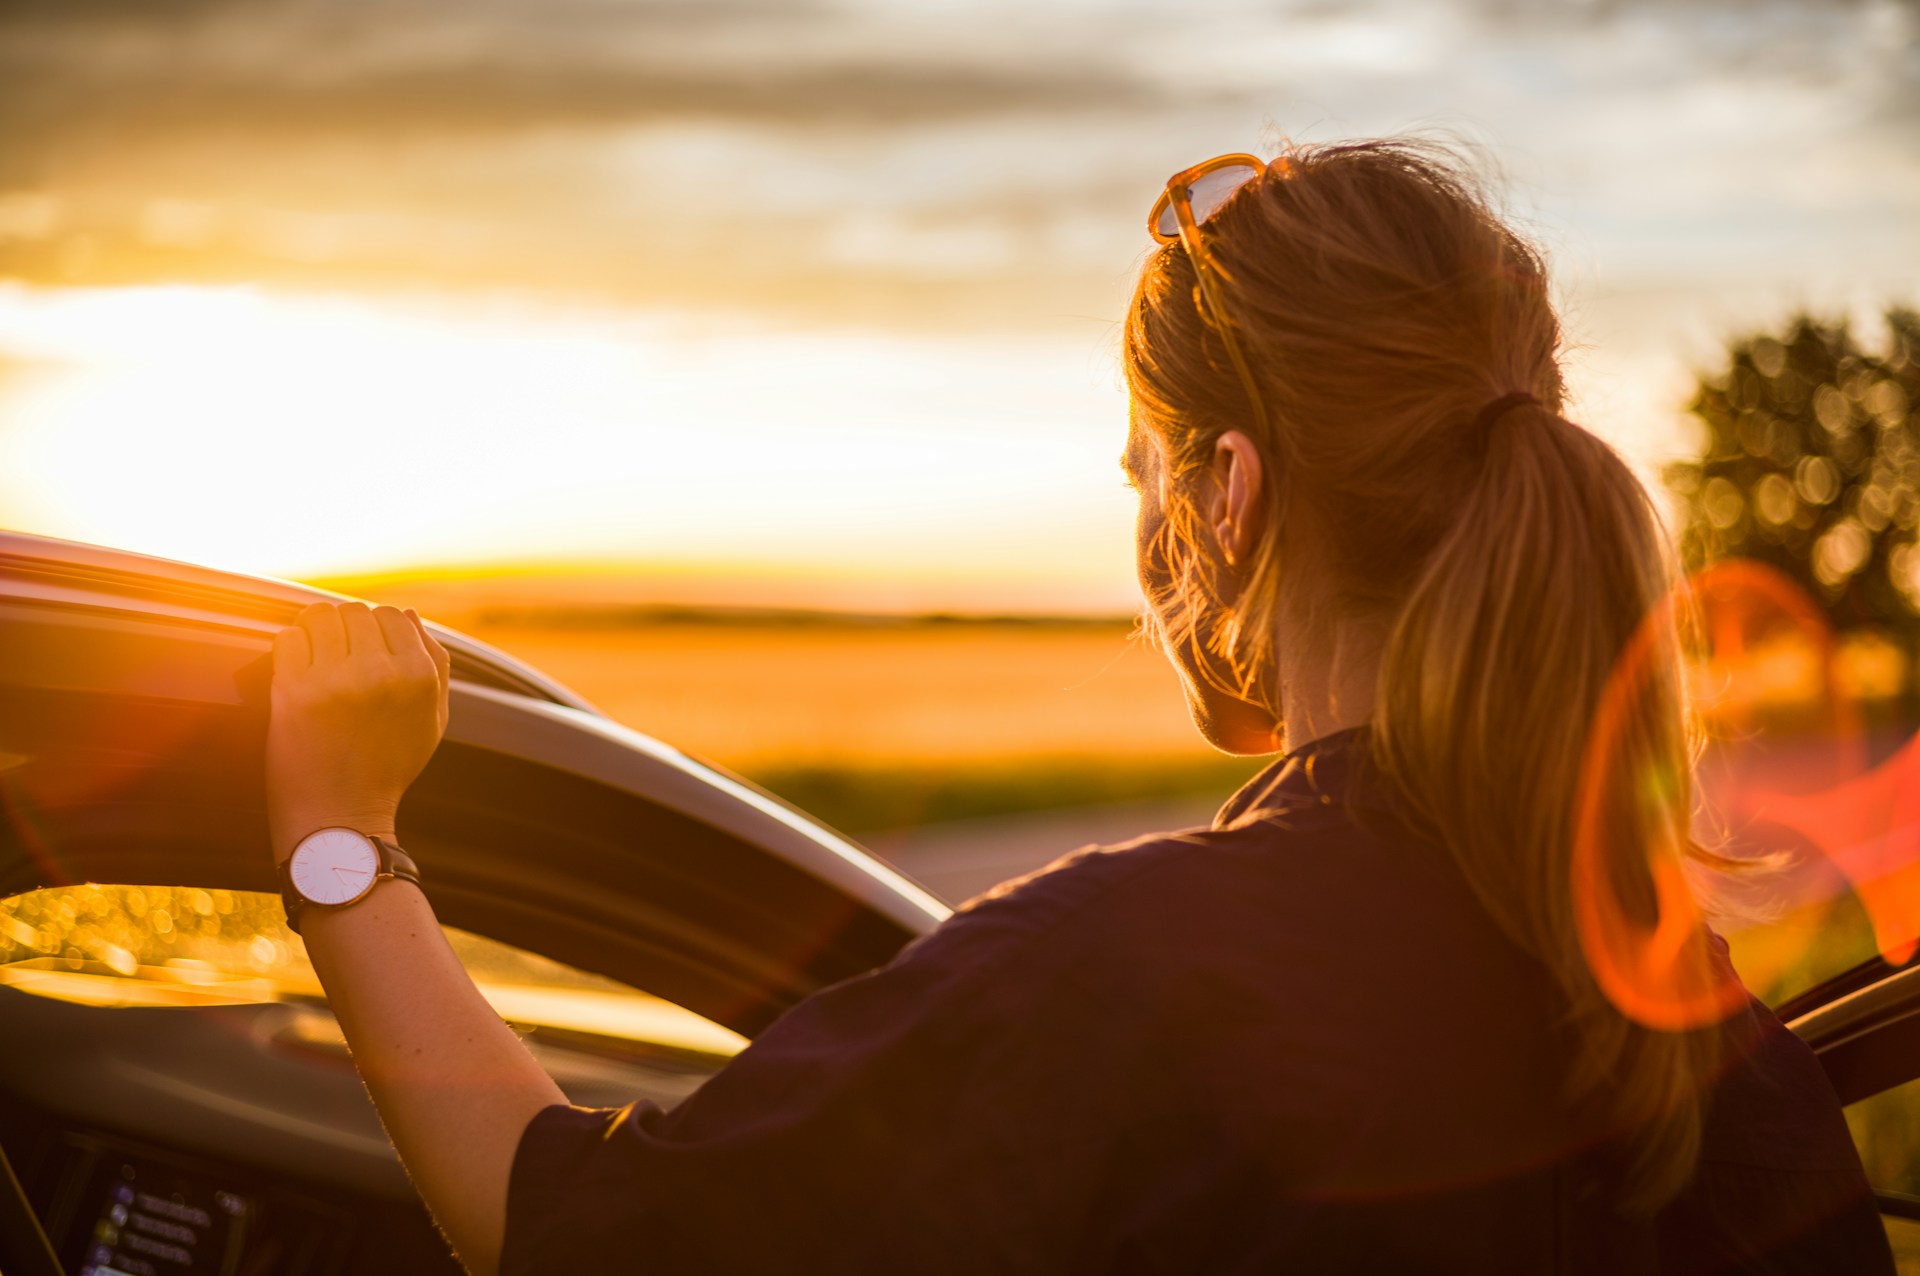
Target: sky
811	303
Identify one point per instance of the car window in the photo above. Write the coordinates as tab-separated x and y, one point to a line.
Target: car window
1904	1233
1886	1129
1782	952
109	945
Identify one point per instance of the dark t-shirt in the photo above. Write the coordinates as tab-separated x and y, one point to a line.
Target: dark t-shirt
1284	1043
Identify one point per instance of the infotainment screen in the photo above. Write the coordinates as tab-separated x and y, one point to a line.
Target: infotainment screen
139	1217
132	1210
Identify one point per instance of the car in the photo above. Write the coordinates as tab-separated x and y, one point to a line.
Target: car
186	1105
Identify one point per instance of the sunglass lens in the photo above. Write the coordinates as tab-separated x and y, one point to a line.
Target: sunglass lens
1206	194
1166	222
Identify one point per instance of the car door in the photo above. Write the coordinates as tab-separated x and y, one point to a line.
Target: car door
132	708
132	713
1864	1026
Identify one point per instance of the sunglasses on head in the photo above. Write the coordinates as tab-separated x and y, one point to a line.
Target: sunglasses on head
1191	197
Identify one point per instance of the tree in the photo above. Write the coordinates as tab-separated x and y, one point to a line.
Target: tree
1811	464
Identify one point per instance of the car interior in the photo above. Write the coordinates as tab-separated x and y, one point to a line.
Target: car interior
188	1104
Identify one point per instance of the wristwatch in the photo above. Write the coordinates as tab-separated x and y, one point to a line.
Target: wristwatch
335	867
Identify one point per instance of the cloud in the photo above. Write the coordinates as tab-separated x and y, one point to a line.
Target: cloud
1872	46
296	68
828	151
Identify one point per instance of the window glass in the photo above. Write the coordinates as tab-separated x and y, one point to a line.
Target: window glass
1886	1129
184	946
1905	1235
1780	952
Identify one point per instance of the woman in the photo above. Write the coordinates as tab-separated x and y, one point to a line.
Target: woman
1357	1024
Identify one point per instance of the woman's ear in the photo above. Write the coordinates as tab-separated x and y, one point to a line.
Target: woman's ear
1236	510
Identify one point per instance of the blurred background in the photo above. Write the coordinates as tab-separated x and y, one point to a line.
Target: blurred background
749	365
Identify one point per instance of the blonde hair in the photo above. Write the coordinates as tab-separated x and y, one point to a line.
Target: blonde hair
1382	305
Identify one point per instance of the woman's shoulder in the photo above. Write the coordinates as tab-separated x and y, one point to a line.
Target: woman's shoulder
1101	876
1778	1172
1269	826
1296	884
1310	845
1088	874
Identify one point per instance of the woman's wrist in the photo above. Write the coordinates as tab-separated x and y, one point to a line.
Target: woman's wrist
289	827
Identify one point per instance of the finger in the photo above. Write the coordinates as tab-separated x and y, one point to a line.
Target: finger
325	633
291	650
363	631
402	638
442	662
442	665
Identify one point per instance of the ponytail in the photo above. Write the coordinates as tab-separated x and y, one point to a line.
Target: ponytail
1489	688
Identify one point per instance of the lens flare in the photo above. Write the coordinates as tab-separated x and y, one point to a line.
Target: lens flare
1790	764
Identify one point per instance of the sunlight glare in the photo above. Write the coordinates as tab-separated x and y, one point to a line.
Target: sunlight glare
298	435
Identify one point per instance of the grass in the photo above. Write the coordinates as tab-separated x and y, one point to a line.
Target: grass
879	723
875	723
792	700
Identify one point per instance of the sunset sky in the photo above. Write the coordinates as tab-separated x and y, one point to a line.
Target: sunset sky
814	303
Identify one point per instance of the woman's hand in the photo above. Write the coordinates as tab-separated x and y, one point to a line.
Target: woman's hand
359	704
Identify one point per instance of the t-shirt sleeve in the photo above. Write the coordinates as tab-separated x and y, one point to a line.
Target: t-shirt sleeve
933	1115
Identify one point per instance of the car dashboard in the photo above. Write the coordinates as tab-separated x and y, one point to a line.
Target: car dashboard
235	1140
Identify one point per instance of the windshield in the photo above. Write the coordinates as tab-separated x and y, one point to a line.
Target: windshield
105	945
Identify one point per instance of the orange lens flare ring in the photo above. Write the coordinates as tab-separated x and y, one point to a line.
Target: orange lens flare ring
1866	825
1655	977
1864	820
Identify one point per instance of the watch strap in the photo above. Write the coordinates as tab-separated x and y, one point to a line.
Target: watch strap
395	862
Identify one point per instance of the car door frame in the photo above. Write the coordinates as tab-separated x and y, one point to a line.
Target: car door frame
132	710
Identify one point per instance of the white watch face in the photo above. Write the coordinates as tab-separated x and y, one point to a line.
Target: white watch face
334	866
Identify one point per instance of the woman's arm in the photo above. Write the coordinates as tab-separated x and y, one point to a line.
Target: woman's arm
453	1085
359	704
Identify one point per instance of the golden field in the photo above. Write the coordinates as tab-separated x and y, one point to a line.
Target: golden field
867	721
754	695
894	724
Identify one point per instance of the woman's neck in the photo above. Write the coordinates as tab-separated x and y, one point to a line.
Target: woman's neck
1329	686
